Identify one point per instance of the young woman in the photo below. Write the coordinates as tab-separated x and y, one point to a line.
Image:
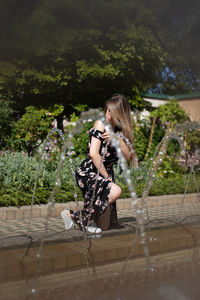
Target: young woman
96	178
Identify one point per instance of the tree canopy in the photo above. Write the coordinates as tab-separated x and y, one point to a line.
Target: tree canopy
82	51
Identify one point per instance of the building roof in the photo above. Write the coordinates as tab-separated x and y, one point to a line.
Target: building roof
171	97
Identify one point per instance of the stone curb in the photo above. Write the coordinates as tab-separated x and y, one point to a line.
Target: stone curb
40	211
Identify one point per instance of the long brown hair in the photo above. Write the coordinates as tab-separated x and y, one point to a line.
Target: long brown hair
120	112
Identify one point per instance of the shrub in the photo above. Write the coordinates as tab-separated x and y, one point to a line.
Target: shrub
141	134
161	186
32	128
20	171
170	186
6	119
81	139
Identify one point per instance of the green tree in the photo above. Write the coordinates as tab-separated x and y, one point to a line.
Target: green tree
192	140
140	138
32	128
177	24
71	52
6	119
170	112
76	58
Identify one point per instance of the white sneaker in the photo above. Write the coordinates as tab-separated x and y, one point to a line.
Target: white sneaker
94	236
68	221
93	228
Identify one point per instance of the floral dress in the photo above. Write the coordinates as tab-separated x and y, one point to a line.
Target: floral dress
94	186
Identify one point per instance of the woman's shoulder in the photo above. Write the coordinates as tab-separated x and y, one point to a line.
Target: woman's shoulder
98	126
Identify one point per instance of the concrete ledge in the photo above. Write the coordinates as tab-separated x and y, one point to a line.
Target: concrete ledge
41	211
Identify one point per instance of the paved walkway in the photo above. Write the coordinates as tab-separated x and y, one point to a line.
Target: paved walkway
160	211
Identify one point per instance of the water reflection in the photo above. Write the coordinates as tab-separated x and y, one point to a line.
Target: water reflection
174	257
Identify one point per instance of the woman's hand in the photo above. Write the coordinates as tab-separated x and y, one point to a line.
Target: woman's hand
106	136
109	178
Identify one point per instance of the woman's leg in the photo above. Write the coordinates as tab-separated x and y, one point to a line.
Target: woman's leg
105	219
65	214
113	215
71	215
115	193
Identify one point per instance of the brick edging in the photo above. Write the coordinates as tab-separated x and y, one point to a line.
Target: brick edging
40	211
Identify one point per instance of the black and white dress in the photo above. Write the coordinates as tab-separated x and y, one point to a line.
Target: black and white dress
93	185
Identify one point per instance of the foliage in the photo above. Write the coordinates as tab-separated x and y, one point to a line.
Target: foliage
74	117
141	133
17	169
86	50
123	62
137	103
6	119
18	175
171	186
13	196
81	139
169	168
77	57
30	131
158	135
80	107
170	112
17	197
192	140
182	41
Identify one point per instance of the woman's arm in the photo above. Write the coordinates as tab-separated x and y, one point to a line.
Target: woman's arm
125	149
94	150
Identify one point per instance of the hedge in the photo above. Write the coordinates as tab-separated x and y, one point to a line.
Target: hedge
165	186
17	177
